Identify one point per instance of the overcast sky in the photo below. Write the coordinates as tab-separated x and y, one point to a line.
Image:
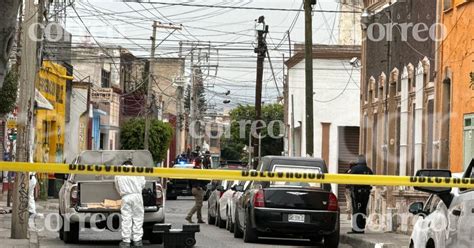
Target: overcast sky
229	31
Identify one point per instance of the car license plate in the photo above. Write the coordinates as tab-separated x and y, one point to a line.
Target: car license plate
296	218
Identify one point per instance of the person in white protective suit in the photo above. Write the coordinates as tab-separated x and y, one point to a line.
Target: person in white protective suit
31	195
132	210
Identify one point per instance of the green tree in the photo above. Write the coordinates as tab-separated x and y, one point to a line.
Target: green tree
270	145
8	93
133	131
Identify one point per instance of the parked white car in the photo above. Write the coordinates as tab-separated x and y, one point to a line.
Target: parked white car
446	219
232	203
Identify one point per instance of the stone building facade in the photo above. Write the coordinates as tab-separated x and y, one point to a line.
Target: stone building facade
397	119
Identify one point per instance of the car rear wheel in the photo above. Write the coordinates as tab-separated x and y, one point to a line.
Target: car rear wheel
237	232
430	244
332	240
229	224
71	236
250	234
61	230
210	220
219	222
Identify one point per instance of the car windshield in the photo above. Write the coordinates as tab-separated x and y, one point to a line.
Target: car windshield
292	168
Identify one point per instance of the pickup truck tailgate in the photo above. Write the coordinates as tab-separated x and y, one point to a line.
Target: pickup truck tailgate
96	192
296	198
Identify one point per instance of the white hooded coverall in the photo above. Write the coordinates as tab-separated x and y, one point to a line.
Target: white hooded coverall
31	193
132	210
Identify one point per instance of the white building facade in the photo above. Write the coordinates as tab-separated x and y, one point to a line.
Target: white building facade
336	97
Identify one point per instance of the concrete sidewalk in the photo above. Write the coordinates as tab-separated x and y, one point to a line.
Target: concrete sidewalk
5	229
371	239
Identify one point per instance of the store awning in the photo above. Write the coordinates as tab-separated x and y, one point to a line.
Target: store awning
42	102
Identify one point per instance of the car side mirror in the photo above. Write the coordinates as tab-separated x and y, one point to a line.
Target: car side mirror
416	208
433	173
220	188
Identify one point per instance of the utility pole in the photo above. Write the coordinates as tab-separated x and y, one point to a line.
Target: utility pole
31	59
149	87
308	7
179	108
148	101
261	51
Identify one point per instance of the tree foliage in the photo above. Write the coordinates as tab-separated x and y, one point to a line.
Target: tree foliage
270	145
133	131
9	93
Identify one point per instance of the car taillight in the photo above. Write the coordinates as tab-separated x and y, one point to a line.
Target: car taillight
259	199
333	205
159	194
74	198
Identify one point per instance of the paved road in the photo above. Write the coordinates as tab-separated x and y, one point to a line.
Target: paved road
210	236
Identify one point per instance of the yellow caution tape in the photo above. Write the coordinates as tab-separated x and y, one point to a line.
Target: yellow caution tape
238	175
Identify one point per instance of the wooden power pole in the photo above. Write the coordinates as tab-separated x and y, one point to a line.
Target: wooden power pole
149	87
261	51
308	7
148	102
31	59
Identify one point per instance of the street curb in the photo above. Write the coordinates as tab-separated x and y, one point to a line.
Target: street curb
358	241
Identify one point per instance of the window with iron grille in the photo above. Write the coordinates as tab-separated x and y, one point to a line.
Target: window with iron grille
105	79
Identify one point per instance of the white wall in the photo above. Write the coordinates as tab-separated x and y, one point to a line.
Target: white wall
331	103
77	107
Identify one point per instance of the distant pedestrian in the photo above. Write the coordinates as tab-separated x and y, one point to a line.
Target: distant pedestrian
347	193
198	191
206	163
360	196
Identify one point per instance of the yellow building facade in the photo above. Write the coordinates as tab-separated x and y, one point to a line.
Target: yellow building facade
457	72
50	120
50	123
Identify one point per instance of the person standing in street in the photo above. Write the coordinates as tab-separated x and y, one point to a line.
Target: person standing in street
360	196
132	210
198	191
347	194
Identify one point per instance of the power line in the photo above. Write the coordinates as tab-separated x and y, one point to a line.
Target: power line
235	7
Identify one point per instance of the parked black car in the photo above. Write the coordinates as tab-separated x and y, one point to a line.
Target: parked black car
289	209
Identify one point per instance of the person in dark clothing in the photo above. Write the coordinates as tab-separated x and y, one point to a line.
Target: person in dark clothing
360	196
206	162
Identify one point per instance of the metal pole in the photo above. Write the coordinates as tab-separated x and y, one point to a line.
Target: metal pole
309	77
148	102
149	88
250	147
261	51
28	72
293	126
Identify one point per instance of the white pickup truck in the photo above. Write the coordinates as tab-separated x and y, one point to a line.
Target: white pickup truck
91	201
